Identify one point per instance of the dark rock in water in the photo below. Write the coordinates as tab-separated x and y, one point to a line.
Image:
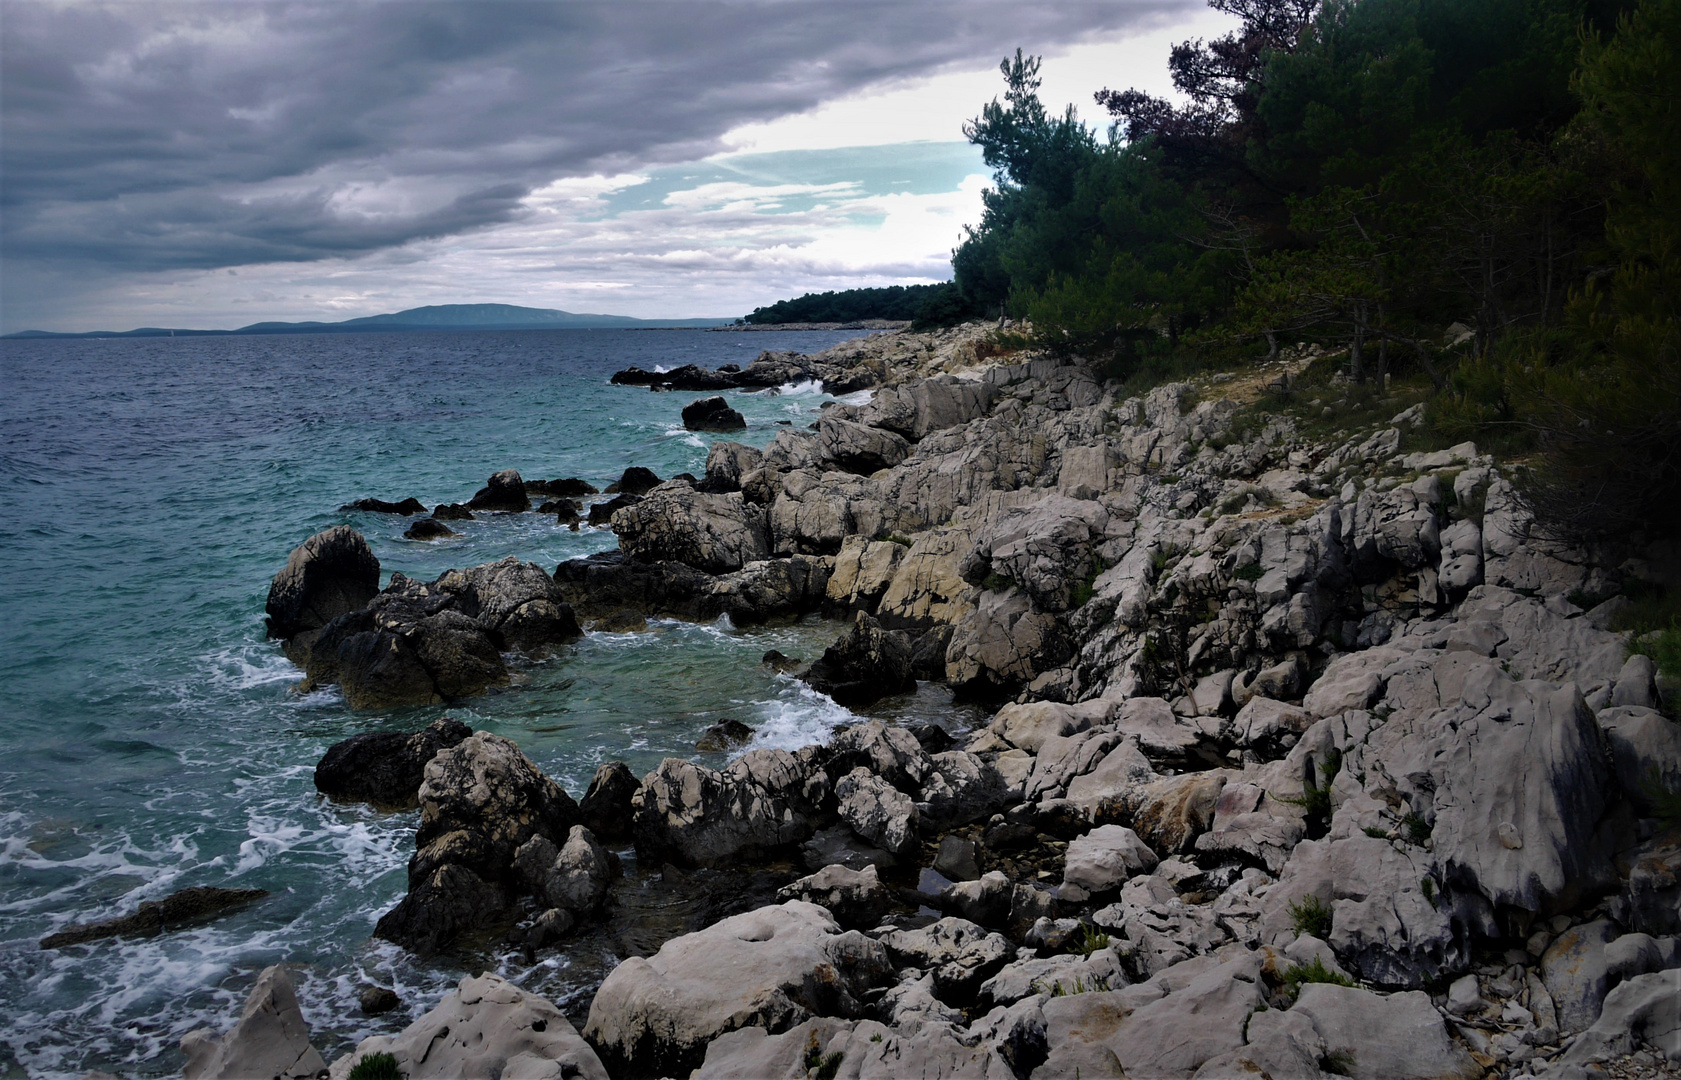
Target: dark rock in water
385	768
933	738
635	481
377	999
428	528
505	491
481	801
778	662
569	488
957	859
607	582
723	735
452	512
551	926
605	807
566	512
331	573
419	644
408	507
928	654
602	512
866	664
712	414
622	621
784	423
155	916
635	376
840	846
687	478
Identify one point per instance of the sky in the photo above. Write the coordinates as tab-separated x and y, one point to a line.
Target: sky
221	162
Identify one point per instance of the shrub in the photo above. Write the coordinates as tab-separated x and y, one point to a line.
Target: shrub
1298	975
1252	572
378	1066
1090	941
1310	916
1418	830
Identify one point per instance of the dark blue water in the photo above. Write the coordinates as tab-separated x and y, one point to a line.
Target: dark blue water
151	740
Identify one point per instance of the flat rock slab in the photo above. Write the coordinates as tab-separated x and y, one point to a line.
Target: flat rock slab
155	916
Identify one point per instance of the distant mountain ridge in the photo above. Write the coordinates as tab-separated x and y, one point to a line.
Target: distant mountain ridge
431	317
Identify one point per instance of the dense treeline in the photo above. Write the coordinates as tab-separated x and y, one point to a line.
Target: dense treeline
1364	173
893	302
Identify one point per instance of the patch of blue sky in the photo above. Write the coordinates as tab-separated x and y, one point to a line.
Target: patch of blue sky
796	181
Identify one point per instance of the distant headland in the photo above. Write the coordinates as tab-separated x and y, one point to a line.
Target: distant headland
434	317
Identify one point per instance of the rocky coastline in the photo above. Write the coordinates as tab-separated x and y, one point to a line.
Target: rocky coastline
1306	757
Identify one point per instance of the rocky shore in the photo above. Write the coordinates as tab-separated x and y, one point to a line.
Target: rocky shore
1306	758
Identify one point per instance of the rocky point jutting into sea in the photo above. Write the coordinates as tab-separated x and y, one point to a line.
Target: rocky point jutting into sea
1305	756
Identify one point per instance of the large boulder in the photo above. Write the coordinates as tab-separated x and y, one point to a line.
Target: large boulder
1102	860
772	968
878	812
927	405
328	575
605	806
713	533
1384	1036
856	898
1521	788
504	491
865	664
695	816
863	1048
712	414
517	602
385	768
481	801
271	1038
853	447
574	878
487	1026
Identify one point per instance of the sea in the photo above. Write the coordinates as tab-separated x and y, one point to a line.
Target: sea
153	739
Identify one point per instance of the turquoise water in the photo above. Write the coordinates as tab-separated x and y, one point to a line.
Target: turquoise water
152	741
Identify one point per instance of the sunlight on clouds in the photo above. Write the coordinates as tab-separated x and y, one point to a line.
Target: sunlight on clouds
935	108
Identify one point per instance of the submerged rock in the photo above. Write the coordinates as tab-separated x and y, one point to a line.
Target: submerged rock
153	917
408	507
428	529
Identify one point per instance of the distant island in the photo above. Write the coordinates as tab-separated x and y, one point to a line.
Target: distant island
433	317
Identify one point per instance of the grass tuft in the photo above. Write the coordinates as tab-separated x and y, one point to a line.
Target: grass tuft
1297	976
378	1066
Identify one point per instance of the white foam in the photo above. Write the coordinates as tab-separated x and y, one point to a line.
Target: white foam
800	716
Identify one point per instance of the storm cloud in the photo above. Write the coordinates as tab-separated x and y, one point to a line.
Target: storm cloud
206	135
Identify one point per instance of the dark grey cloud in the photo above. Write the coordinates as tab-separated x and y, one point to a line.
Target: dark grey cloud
142	137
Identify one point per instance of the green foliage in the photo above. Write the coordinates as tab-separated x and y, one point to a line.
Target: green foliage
892	302
1298	975
1337	1062
1091	940
1376	833
1316	798
376	1066
819	1066
1418	830
1249	572
1427	886
996	582
1310	916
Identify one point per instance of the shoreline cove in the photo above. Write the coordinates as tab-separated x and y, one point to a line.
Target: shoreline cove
1090	735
